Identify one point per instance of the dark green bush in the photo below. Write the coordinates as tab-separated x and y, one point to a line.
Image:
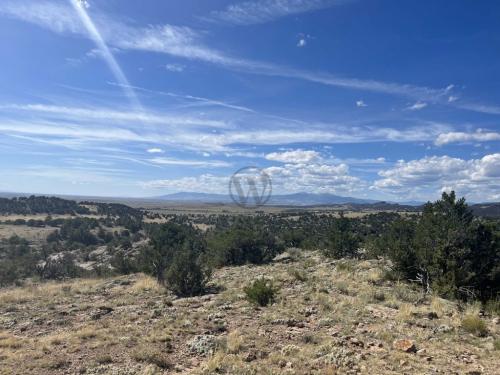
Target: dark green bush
261	292
185	276
343	241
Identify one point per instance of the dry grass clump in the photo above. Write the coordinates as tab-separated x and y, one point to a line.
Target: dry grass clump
146	283
152	356
234	342
475	325
405	312
10	342
47	291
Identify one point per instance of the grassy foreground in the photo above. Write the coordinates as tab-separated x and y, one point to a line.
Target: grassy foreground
329	317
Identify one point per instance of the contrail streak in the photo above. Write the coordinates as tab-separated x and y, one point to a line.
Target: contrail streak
108	56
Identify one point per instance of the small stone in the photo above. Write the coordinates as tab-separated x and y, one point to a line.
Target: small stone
100	312
432	315
407	346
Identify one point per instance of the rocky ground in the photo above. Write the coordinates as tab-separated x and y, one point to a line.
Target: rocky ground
330	317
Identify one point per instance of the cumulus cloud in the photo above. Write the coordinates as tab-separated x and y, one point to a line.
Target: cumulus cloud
295	156
479	179
206	183
316	178
313	178
462	137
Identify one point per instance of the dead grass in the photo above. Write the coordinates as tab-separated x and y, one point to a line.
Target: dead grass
307	331
47	291
11	342
152	356
146	283
234	342
474	324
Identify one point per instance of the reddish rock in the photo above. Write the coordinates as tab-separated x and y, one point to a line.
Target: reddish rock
407	346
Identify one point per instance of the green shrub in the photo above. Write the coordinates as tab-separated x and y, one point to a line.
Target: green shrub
185	276
475	325
343	241
261	292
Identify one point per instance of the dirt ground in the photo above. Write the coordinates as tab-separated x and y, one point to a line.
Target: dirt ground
328	318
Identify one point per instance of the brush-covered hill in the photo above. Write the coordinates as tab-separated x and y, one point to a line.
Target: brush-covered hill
328	317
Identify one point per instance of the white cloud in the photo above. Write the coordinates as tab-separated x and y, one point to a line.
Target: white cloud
260	11
206	183
478	179
102	113
360	103
481	108
83	3
176	68
191	163
462	137
319	178
301	43
185	42
155	150
295	156
316	177
417	106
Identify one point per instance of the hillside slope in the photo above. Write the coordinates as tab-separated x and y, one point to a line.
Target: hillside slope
330	317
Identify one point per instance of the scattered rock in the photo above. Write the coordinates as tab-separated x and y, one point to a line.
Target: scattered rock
405	345
443	328
432	315
100	312
283	257
308	311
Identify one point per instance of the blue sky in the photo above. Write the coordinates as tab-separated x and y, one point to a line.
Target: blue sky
379	99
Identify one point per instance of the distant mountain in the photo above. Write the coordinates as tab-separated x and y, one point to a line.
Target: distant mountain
486	209
296	199
196	197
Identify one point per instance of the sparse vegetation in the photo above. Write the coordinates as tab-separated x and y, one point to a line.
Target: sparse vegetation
261	292
120	279
474	324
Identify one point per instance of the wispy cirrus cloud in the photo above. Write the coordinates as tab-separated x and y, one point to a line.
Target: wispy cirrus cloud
155	150
191	163
261	11
123	116
417	106
186	43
